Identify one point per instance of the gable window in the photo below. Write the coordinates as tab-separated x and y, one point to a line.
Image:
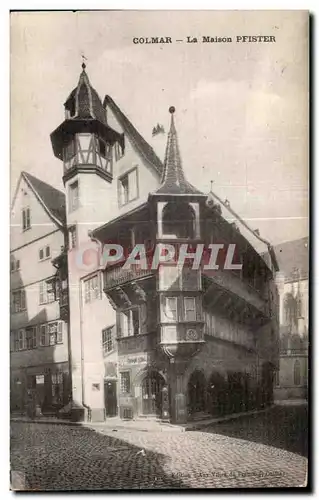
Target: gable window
92	288
171	308
128	187
107	340
73	196
129	322
72	237
47	291
45	253
26	219
125	382
51	333
18	301
189	308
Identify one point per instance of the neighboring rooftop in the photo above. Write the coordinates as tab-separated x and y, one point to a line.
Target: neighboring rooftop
51	198
293	256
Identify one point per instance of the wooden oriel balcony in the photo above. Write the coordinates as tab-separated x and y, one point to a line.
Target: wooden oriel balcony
115	276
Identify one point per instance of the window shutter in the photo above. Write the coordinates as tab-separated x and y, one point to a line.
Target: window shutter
23	306
23	219
28	218
43	335
42	292
59	338
24	339
12	341
132	183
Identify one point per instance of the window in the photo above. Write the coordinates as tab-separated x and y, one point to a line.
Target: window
171	308
92	288
128	187
22	339
190	308
51	333
130	322
47	291
107	340
19	342
125	382
18	301
72	237
73	196
297	373
14	265
26	219
45	253
31	337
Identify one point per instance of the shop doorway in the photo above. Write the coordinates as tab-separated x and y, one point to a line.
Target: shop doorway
152	386
110	398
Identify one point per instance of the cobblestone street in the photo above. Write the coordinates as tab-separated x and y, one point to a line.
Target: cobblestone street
61	457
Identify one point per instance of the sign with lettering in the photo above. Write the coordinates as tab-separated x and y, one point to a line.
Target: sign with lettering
136	359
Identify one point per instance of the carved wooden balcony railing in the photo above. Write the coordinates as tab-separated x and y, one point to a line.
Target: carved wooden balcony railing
116	275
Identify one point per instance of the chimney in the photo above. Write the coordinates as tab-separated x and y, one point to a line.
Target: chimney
159	138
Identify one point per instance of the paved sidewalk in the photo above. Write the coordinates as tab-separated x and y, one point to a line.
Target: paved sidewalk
116	423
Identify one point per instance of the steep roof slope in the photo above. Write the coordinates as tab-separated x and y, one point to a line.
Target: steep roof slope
138	141
51	198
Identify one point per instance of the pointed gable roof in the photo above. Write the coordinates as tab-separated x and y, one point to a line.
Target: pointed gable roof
85	100
52	200
173	177
137	140
293	256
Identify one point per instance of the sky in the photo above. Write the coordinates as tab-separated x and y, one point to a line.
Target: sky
241	108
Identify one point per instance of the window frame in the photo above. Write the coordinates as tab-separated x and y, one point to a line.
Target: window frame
26	219
88	294
106	342
21	304
44	291
44	251
120	179
130	321
167	298
185	310
128	374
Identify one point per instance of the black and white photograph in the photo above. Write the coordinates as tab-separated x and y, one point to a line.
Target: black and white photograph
159	250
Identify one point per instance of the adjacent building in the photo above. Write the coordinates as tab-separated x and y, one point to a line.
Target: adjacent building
169	342
293	288
40	371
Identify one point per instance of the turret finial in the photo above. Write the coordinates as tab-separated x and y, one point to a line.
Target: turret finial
83	63
172	110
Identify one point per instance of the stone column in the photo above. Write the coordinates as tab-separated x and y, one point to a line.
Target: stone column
178	395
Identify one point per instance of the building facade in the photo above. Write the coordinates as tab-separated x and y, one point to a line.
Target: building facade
39	355
169	341
293	288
